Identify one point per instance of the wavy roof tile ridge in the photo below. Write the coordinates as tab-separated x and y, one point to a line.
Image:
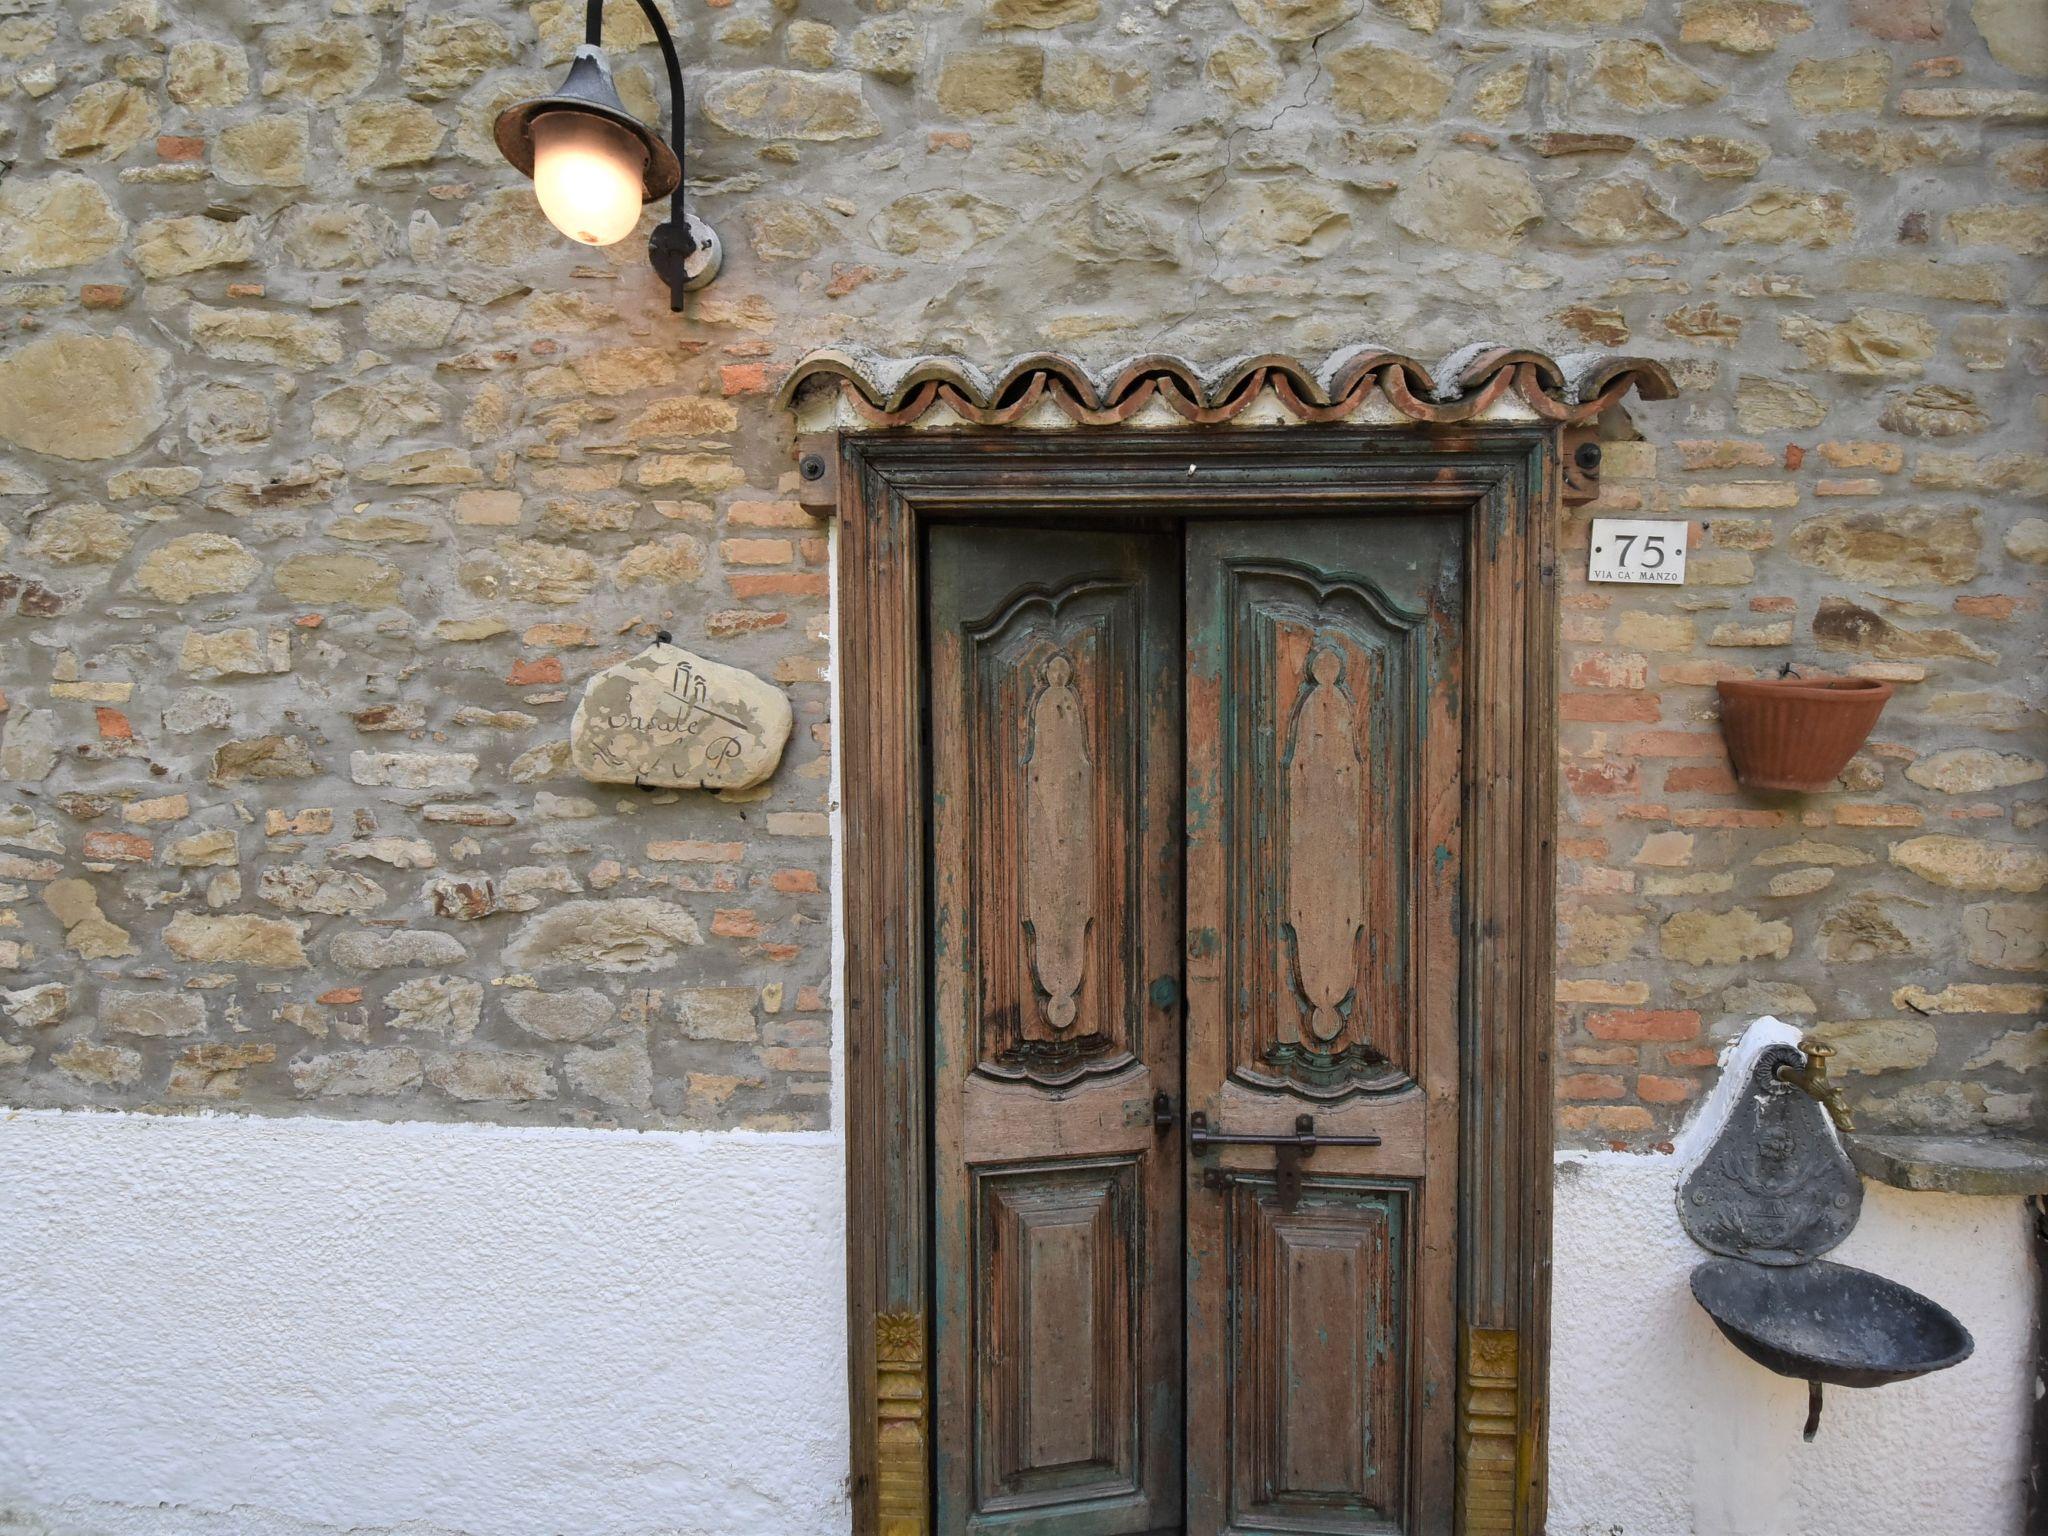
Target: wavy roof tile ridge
1466	383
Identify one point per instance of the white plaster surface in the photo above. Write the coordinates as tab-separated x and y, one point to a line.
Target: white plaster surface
238	1326
1660	1428
235	1326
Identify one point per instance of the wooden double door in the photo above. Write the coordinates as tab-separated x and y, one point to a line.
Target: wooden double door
1194	953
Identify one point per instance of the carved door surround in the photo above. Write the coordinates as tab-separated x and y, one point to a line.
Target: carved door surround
1492	439
1499	486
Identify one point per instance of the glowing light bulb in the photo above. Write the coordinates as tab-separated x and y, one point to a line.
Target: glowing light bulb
589	174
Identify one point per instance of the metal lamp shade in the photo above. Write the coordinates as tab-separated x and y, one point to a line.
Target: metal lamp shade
588	89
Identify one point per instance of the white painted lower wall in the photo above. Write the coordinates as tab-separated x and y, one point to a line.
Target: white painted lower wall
259	1327
238	1326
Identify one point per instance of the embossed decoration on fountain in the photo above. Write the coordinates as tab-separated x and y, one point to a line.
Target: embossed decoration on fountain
1773	1192
1775	1187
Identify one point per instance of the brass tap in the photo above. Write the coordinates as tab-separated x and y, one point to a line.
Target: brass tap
1812	1078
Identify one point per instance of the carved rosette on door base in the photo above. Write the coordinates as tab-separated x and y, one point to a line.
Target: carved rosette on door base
1489	1437
902	1441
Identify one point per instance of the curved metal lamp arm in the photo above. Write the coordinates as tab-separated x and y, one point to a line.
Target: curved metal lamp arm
593	34
672	244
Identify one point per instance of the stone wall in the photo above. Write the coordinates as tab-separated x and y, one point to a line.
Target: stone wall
328	473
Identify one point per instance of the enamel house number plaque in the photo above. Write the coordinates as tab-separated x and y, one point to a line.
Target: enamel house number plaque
1637	549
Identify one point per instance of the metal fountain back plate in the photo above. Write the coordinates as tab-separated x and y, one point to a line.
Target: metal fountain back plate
1776	1186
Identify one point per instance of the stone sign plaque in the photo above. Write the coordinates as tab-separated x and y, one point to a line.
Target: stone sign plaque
668	719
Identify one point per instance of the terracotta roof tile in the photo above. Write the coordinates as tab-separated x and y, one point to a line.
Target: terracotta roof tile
890	391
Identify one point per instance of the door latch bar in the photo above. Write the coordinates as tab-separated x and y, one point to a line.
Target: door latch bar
1162	1112
1288	1151
1304	1140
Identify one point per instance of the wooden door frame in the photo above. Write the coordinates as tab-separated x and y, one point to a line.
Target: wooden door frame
1504	482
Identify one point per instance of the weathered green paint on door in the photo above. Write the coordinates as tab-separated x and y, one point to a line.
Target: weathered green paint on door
1055	741
1322	980
1194	832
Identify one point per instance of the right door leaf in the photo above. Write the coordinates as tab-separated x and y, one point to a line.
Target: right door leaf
1323	796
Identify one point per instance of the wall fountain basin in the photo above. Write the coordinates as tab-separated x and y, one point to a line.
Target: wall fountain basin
1829	1322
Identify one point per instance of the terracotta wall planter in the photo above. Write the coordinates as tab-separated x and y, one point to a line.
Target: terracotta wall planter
1798	733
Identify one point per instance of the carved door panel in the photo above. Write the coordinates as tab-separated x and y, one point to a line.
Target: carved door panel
1055	740
1322	973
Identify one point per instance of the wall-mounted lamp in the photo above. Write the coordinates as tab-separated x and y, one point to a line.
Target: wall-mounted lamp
594	164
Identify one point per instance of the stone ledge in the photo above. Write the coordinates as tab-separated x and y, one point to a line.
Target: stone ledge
1955	1165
